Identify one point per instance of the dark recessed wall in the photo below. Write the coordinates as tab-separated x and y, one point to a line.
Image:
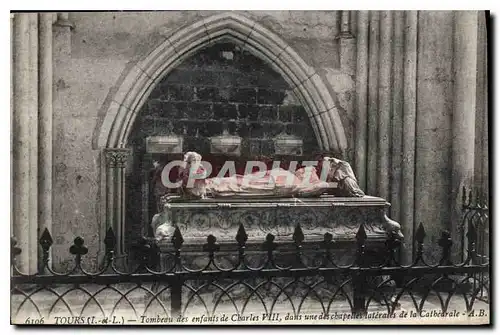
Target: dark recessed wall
223	87
220	87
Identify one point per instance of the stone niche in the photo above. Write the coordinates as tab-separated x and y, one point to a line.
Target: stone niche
221	90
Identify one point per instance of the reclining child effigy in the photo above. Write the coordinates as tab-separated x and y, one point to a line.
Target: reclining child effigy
271	201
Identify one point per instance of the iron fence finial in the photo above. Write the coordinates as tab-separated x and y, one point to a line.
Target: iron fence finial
110	240
327	242
241	236
269	244
361	234
78	248
46	240
420	234
211	246
177	239
298	235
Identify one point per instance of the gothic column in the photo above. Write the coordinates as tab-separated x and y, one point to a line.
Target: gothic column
481	145
45	122
361	97
373	112
25	136
384	104
397	114
409	117
464	107
116	159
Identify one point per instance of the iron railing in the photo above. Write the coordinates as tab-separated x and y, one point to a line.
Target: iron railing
249	286
475	212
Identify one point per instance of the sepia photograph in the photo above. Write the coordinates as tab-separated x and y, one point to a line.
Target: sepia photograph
250	167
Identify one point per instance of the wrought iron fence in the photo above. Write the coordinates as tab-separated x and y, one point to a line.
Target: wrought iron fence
475	212
255	286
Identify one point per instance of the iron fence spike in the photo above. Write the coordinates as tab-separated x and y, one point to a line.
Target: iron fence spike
177	239
420	233
241	235
46	240
110	239
361	234
471	233
298	235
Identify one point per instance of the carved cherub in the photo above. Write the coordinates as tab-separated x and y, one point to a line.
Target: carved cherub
162	224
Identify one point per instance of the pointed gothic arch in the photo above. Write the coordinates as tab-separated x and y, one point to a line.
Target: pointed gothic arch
121	110
141	79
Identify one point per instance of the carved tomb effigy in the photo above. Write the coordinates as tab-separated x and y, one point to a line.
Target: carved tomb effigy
218	206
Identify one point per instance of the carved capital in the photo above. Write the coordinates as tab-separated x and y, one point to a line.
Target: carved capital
116	158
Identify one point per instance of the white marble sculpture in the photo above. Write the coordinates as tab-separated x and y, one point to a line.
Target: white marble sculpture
162	224
277	182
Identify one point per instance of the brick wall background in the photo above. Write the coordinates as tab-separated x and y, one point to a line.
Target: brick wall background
223	87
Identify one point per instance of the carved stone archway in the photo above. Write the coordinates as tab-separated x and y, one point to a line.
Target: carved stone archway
306	84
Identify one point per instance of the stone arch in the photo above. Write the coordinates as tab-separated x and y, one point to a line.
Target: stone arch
140	80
